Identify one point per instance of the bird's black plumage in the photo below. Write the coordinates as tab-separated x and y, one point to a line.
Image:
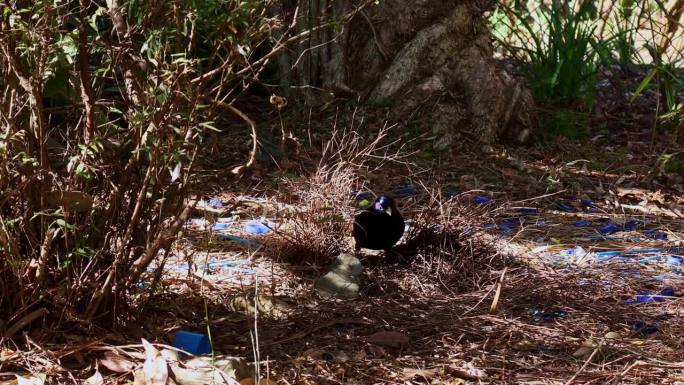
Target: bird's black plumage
378	227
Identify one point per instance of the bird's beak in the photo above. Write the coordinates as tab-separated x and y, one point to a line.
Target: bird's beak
388	211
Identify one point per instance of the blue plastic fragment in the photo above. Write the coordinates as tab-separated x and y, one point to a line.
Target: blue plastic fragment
654	258
489	226
643	250
588	203
644	328
513	221
216	202
193	343
255	227
505	228
655	234
405	191
468	230
220	226
480	200
246	242
581	223
608	253
565	207
674	260
215	264
610	228
646	296
603	256
632	225
142	285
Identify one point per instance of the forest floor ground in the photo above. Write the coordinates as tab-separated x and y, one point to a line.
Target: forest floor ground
583	262
565	264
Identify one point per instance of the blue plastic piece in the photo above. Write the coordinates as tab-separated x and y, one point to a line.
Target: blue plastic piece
655	234
646	296
480	200
246	242
587	203
193	343
654	258
644	250
254	227
216	264
610	228
220	226
505	228
565	207
468	230
513	221
405	191
489	226
667	292
216	202
632	225
644	328
581	223
675	260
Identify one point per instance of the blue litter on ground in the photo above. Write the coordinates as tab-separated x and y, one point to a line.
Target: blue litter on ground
610	229
644	328
655	234
193	343
581	223
588	203
215	264
646	296
632	225
480	200
505	228
654	258
513	221
255	227
216	202
489	226
565	207
674	260
243	241
221	226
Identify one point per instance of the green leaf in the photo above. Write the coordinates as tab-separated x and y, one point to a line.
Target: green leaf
644	83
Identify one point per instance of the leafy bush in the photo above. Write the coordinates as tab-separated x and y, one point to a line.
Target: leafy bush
559	53
103	115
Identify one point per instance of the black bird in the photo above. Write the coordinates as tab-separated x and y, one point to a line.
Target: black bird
378	227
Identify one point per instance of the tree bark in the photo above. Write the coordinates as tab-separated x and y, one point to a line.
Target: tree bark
432	56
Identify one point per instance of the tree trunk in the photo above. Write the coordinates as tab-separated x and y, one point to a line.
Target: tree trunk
427	56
